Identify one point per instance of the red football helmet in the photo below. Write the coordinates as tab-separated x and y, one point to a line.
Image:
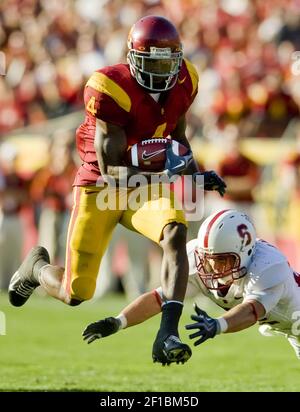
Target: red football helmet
155	53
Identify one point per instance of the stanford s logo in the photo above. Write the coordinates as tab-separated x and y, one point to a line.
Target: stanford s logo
244	234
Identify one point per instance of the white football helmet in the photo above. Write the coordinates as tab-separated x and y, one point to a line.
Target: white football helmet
226	242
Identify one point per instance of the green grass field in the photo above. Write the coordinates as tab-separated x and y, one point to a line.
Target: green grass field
43	350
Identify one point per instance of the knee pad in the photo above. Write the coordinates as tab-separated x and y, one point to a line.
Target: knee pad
82	288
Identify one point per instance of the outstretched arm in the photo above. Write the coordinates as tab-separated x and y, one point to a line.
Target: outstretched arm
243	315
142	308
138	311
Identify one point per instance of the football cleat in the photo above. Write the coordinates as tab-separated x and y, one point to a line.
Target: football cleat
268	331
170	350
162	363
175	350
23	282
295	343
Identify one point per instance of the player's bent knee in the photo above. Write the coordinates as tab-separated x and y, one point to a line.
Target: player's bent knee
174	236
82	289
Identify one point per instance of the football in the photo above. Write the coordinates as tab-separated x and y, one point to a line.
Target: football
150	154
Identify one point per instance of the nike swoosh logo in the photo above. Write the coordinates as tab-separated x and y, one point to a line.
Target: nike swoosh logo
182	163
146	156
181	81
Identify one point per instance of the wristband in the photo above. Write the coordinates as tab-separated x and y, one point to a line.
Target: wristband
123	321
222	325
195	175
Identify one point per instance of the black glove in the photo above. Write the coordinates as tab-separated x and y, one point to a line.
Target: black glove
176	164
208	327
212	181
101	329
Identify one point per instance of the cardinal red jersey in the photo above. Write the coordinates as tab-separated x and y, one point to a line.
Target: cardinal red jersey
114	96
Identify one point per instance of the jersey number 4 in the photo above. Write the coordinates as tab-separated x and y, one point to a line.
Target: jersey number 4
90	107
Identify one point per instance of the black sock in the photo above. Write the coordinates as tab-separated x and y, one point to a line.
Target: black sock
171	313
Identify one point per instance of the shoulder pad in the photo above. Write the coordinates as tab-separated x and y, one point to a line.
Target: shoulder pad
194	76
107	81
268	267
271	276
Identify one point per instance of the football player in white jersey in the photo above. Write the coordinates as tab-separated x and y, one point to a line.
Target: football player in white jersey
248	277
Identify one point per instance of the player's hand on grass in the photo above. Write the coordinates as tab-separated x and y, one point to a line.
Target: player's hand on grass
101	329
207	326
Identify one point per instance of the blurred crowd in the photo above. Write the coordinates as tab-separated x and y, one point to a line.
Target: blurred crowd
243	51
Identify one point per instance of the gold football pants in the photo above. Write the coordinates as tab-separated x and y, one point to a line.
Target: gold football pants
91	227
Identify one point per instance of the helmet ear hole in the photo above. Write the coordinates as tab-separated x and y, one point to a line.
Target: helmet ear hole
249	252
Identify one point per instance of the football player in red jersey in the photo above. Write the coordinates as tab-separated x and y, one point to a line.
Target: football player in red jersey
125	104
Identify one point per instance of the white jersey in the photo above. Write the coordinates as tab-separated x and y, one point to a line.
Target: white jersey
270	280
